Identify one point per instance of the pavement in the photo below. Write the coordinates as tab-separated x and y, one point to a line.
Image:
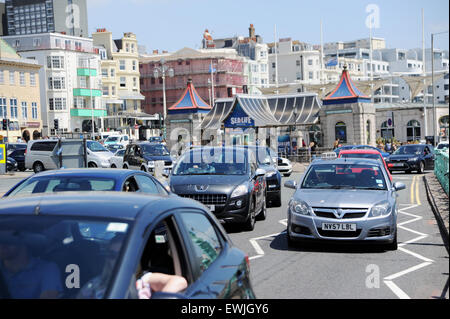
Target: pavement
439	202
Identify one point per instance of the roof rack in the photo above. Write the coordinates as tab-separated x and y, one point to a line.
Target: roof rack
328	156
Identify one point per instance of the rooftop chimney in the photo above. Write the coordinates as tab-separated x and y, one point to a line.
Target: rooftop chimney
251	31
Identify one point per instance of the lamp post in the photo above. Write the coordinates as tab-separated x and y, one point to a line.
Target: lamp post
162	71
90	93
432	84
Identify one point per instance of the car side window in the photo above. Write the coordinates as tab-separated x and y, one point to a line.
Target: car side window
130	185
204	239
147	185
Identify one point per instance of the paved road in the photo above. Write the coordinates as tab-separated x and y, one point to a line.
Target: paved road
418	269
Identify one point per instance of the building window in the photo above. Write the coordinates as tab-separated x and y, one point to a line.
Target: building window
104	73
310	62
134	65
56	83
22	78
123	82
34	110
12	78
386	131
413	131
368	131
113	73
24	110
135	105
122	65
113	90
32	79
341	132
3	113
13	108
105	91
315	135
2	77
134	82
274	65
311	75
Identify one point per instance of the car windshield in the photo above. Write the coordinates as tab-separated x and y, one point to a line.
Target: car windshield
56	184
345	176
442	146
59	257
155	139
113	139
409	150
96	147
210	162
155	150
120	153
360	155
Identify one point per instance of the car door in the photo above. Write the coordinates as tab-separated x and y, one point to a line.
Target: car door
258	182
219	269
429	158
147	185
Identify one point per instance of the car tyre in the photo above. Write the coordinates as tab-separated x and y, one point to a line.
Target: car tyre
249	225
394	245
421	168
38	167
125	166
92	165
113	166
263	213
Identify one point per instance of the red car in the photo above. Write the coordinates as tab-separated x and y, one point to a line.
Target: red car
371	154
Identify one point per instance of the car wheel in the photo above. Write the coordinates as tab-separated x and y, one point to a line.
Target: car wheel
143	169
125	166
421	168
113	166
263	213
249	225
38	167
394	245
92	165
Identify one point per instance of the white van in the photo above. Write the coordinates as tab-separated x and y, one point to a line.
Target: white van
118	139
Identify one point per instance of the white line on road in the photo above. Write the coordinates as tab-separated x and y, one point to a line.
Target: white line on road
396	290
407	271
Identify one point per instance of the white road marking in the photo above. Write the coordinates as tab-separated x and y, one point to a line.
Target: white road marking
407	271
396	289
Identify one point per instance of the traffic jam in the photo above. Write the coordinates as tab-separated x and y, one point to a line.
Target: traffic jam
88	232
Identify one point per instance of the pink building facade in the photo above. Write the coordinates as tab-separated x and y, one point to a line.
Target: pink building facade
229	78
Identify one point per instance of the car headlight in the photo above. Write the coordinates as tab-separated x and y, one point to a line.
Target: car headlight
414	159
241	190
300	207
380	209
151	163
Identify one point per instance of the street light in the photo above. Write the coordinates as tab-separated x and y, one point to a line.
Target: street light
162	71
90	92
432	84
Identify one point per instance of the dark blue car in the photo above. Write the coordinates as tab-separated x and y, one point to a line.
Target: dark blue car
19	156
97	244
143	156
413	157
69	180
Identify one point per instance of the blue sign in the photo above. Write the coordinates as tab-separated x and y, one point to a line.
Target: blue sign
238	118
284	144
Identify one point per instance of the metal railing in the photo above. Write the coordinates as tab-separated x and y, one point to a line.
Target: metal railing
441	168
304	155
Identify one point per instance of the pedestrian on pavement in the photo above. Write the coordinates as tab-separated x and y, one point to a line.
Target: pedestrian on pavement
336	144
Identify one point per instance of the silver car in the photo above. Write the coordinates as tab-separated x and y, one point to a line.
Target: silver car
344	200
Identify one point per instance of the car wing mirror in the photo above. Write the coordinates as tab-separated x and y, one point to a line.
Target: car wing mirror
260	172
166	295
291	184
399	186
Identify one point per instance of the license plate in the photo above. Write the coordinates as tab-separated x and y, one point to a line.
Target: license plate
339	227
398	165
212	208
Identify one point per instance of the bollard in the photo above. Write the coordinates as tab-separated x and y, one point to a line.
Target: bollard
159	169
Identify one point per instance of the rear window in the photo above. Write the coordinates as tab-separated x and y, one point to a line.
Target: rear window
63	184
43	146
360	155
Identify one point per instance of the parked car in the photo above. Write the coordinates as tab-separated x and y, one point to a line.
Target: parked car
117	139
69	180
411	157
97	155
267	162
142	156
111	240
114	147
11	164
14	146
19	156
372	154
344	200
284	166
116	161
157	139
361	147
441	146
226	179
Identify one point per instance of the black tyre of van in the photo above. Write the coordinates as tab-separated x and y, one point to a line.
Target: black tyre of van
38	167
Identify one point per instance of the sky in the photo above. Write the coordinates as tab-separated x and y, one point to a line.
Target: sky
174	24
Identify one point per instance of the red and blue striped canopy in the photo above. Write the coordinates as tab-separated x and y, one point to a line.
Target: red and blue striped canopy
346	92
189	102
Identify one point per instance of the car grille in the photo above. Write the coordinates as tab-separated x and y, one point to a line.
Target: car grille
207	199
350	213
339	234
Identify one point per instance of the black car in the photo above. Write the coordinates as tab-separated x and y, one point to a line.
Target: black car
19	156
96	245
16	146
226	179
411	157
142	156
267	162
